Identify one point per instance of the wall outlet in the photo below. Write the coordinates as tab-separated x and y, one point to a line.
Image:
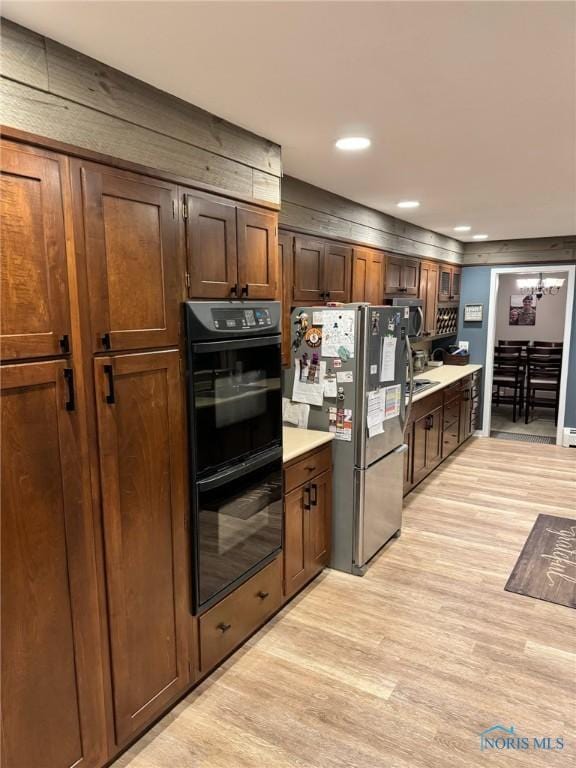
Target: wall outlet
464	345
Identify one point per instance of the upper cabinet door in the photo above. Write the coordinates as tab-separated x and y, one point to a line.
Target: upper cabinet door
257	254
132	259
285	253
429	294
337	269
368	276
52	689
456	278
35	316
140	433
445	283
211	248
411	277
307	271
394	275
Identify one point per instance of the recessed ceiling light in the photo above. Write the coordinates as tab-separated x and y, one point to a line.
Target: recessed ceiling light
408	204
462	228
353	143
479	237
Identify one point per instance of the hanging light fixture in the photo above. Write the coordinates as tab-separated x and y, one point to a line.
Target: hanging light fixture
547	286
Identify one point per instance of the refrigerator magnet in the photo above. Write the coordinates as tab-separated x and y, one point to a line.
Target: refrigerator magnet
344	353
337	363
313	337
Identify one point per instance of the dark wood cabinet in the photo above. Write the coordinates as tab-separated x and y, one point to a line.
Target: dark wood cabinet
402	276
408	440
257	237
285	254
429	295
232	250
141	439
35	317
368	276
132	257
307	518
427	444
52	684
336	272
211	248
321	271
449	283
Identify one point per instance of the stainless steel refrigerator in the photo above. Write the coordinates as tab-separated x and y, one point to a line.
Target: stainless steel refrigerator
363	352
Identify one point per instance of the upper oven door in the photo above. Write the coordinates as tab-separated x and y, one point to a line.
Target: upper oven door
236	400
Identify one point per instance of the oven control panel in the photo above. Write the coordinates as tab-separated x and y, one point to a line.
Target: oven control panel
240	318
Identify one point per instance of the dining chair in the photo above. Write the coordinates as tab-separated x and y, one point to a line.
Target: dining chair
544	365
509	374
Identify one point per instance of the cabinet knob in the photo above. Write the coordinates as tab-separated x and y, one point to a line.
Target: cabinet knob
244	291
105	340
224	627
262	595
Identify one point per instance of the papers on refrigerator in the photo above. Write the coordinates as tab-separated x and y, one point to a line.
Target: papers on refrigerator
388	358
340	423
295	413
344	377
330	386
338	333
392	401
375	410
318	317
309	382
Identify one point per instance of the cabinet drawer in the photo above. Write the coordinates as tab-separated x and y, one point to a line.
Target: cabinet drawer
449	442
230	622
307	468
425	406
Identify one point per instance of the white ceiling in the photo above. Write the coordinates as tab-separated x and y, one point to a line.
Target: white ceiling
471	106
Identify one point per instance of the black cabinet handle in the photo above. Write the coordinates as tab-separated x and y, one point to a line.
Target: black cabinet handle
109	372
322	295
64	342
307	497
105	340
234	290
70	404
224	627
262	595
327	295
244	291
314	501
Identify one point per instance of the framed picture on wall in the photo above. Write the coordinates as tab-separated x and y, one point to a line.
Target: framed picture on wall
522	310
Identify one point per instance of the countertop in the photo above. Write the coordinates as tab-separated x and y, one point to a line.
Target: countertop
445	375
297	442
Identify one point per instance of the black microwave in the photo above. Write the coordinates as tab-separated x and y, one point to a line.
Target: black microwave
415	315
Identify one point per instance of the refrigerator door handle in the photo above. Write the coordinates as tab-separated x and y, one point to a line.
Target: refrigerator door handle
408	409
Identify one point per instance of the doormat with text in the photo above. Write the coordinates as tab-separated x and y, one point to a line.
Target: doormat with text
546	568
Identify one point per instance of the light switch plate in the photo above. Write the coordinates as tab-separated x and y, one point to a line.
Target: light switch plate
464	345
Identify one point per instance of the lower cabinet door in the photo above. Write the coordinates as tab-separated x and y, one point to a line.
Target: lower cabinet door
434	440
408	459
52	689
296	506
319	523
427	444
140	424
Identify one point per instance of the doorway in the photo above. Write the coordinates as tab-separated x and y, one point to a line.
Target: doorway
527	353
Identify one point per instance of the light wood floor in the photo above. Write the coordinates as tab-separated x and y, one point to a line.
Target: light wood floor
405	667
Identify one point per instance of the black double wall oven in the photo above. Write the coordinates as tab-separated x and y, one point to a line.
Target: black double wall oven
235	428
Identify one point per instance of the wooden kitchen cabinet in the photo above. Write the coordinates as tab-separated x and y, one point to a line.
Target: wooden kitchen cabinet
142	464
232	250
449	283
402	276
132	259
368	276
35	316
427	444
336	272
321	271
307	518
285	253
52	684
429	295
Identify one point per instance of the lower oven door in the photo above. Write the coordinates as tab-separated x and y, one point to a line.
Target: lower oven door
238	525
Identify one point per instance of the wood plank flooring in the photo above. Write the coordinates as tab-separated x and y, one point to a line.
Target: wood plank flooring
405	667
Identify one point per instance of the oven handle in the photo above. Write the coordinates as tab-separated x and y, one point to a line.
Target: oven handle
243	468
217	346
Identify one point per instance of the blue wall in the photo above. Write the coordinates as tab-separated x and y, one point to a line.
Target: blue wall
476	290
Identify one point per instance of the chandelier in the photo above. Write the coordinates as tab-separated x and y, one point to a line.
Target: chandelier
547	286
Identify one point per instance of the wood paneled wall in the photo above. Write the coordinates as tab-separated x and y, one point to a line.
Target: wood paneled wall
536	250
56	92
309	209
